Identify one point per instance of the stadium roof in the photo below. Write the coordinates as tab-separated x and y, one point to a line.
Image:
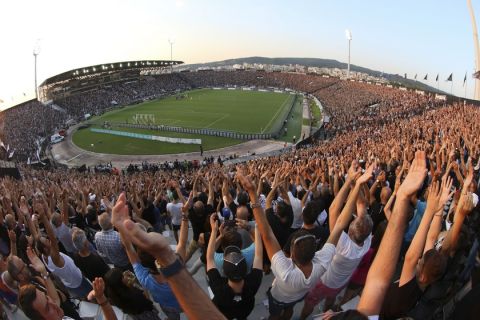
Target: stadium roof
110	67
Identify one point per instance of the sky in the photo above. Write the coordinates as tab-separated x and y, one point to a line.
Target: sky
413	37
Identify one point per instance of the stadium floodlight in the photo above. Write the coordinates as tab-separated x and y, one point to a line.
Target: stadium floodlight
348	35
36	52
476	91
171	41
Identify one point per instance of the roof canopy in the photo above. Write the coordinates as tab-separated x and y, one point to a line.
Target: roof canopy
108	68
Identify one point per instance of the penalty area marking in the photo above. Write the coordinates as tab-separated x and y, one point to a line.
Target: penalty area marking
219	119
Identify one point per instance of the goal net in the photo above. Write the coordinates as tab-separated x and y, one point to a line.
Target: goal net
143	118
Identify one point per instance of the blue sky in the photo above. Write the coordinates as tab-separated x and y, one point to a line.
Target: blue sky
392	36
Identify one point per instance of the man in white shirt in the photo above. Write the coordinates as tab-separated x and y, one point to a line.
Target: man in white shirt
174	209
349	252
351	247
296	275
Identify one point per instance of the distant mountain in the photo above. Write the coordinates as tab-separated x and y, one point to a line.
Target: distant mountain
320	63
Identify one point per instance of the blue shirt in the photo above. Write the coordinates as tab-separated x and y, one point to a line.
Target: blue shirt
415	222
161	292
248	253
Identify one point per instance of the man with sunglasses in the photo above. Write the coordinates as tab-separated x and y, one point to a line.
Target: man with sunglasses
234	294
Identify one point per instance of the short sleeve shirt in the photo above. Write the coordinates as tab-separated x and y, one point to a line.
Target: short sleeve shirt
290	283
234	305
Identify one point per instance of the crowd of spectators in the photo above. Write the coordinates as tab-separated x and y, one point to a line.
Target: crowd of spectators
350	105
386	209
27	127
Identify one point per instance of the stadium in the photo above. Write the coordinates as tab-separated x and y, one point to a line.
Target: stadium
136	187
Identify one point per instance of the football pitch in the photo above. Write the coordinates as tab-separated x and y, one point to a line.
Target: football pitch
233	110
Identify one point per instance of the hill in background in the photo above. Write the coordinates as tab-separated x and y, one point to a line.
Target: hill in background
320	63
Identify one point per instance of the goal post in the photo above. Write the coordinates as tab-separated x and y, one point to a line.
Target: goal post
143	118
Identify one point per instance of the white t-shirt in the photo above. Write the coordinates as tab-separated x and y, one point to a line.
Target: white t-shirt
70	275
347	258
297	211
175	210
290	284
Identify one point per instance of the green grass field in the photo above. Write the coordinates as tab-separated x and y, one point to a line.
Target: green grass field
234	110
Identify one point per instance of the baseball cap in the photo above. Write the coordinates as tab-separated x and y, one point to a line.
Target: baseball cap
226	213
234	264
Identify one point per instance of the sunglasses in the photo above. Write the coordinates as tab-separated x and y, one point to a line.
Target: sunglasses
307	236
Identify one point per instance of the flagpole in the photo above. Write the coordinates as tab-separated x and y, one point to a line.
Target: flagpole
465	95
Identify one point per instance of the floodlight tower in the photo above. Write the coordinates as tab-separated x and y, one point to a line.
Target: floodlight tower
171	41
36	52
348	35
476	92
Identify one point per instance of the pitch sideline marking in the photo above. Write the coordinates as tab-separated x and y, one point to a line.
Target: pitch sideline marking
78	155
275	115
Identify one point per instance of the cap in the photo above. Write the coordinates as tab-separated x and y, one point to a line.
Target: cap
234	264
226	213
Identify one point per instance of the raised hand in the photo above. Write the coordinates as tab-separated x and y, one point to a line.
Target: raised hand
446	187
213	221
12	236
24	206
416	174
246	182
35	261
367	175
152	242
98	291
120	212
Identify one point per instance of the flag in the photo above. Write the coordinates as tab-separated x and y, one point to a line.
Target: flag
436	78
465	79
426	77
415	76
450	77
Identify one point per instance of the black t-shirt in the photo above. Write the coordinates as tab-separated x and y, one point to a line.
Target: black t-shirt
377	213
199	222
280	230
230	304
92	266
399	300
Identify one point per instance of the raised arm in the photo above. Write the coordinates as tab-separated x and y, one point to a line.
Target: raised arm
38	266
183	237
464	207
382	269
193	300
270	241
339	200
346	215
212	243
258	259
436	225
54	250
415	250
98	292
